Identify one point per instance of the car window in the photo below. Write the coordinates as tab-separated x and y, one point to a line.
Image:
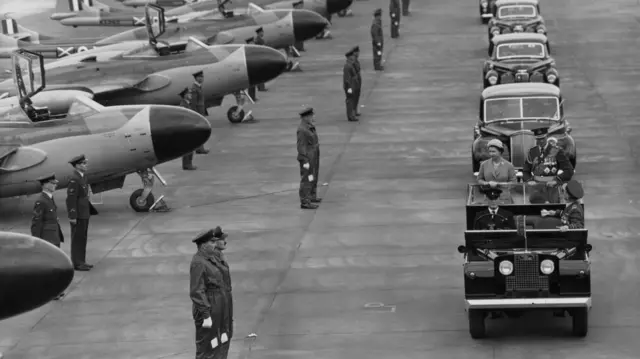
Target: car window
511	11
497	109
519	50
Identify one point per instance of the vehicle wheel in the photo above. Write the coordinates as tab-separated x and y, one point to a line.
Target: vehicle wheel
233	116
476	324
138	204
581	322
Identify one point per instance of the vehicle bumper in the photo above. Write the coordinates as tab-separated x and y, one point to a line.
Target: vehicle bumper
528	303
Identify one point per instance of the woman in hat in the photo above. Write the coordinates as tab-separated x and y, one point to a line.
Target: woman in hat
208	297
572	216
496	169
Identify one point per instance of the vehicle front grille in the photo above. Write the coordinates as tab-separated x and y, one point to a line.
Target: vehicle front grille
522	77
526	274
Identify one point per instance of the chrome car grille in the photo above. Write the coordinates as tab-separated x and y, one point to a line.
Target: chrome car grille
526	274
522	77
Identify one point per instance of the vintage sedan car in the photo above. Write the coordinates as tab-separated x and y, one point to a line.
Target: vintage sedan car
521	57
508	273
486	10
510	112
516	16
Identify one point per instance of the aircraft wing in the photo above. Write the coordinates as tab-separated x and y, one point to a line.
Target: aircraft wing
7	150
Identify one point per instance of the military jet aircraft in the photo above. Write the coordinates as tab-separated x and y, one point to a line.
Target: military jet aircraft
282	29
117	141
153	75
163	3
32	273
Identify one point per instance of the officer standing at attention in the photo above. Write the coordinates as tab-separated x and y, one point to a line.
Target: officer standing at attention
394	12
358	91
220	241
185	101
494	217
350	84
308	159
197	102
207	297
79	210
377	40
405	7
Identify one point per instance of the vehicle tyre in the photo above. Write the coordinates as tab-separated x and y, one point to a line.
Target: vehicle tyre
233	117
476	324
580	322
137	204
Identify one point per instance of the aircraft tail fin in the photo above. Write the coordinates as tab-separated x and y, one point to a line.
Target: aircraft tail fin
70	8
11	28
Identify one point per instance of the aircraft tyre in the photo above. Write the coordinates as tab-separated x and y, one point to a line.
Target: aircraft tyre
234	116
140	205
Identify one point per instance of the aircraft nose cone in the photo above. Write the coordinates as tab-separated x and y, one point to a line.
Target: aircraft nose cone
176	131
264	64
32	273
335	6
307	24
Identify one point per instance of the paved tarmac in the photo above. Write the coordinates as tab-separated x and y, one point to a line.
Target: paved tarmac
374	272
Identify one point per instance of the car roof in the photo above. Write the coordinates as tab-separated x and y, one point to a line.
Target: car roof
521	89
519	36
518	2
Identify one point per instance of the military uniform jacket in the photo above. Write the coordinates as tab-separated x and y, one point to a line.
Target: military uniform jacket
78	204
503	219
44	223
223	266
350	76
377	36
206	286
197	99
539	163
307	144
184	103
572	216
356	64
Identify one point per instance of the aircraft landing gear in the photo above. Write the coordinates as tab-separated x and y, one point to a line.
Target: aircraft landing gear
142	200
236	113
325	34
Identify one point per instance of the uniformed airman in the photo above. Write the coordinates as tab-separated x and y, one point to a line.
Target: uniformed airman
185	101
572	216
79	210
394	13
252	90
494	217
308	159
197	102
377	40
220	242
351	84
208	297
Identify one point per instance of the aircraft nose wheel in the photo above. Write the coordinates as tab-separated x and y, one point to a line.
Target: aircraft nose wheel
140	204
235	116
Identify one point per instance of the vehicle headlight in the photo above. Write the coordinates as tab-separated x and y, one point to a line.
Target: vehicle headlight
506	267
493	79
518	28
540	31
552	78
547	267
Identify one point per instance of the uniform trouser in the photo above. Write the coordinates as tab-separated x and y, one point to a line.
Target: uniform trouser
187	160
305	185
356	94
299	45
543	194
405	6
316	173
351	103
261	87
252	92
395	25
79	233
377	56
205	336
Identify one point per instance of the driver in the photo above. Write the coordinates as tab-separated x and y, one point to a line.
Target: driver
547	165
494	218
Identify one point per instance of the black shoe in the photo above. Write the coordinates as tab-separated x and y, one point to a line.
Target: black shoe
189	168
202	152
353	120
263	89
316	200
380	68
59	296
88	265
308	206
82	268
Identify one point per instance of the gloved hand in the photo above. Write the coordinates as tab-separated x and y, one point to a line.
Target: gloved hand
531	183
310	178
379	53
349	91
305	166
379	44
207	323
393	15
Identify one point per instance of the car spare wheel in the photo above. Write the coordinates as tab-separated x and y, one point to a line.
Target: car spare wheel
476	323
580	322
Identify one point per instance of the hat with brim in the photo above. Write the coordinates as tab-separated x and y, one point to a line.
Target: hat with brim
378	12
493	193
74	161
575	189
259	30
51	178
199	73
184	92
219	234
540	133
306	112
203	236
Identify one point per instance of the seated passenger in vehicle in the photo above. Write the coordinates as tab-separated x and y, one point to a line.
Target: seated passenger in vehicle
547	167
494	218
496	169
571	217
